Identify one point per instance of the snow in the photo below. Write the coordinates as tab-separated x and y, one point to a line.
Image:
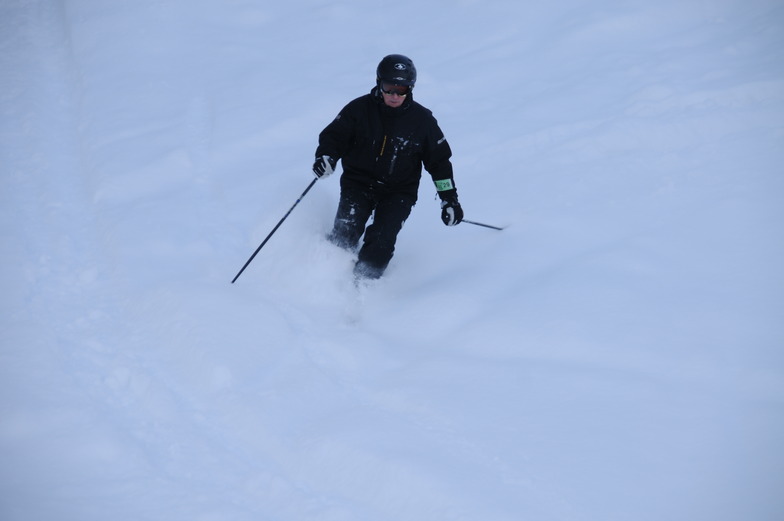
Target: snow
614	354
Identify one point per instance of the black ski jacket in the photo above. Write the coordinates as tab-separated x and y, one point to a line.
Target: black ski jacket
384	148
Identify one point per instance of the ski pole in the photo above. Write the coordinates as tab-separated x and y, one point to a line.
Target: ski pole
274	230
480	224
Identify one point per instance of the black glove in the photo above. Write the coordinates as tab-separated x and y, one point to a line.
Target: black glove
324	166
451	212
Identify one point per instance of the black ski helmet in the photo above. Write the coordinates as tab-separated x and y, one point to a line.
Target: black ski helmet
397	69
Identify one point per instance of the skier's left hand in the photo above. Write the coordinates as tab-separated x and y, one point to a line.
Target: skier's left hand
451	212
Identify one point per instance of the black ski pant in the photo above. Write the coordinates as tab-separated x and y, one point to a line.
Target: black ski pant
389	211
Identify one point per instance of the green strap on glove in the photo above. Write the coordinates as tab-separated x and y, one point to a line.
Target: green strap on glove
442	185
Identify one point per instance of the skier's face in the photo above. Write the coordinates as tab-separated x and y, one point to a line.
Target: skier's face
394	95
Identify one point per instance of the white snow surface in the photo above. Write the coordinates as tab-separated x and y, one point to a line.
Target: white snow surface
616	353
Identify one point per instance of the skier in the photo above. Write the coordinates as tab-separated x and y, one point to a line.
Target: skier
383	139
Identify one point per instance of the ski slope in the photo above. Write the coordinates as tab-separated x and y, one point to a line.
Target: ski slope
614	354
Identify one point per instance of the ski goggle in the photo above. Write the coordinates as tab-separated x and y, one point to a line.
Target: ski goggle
400	90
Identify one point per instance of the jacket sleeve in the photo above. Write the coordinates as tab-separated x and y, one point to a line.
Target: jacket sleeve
437	163
336	138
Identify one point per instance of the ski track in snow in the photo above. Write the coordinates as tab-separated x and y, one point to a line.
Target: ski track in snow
613	354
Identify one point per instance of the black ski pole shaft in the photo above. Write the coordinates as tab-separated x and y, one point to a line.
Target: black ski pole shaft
274	230
481	224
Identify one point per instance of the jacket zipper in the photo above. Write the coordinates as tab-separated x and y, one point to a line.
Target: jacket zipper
383	146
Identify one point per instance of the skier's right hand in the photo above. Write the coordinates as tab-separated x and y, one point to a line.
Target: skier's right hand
324	166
